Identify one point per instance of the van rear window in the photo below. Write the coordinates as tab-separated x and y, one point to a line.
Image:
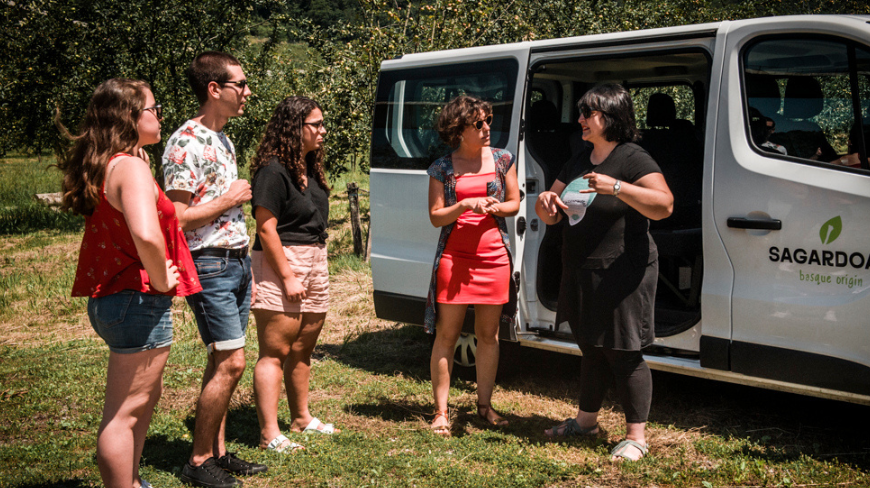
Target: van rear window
408	102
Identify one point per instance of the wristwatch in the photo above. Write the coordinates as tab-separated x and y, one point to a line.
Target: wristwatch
616	187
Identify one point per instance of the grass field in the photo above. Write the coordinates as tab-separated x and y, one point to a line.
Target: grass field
370	378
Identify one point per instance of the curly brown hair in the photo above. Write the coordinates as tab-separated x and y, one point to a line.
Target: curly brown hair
283	140
109	127
457	115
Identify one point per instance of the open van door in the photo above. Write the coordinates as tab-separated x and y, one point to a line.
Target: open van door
789	211
411	92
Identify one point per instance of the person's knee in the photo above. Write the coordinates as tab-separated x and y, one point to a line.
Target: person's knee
446	338
230	365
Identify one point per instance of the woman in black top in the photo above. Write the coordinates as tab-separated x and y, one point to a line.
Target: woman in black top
291	205
609	262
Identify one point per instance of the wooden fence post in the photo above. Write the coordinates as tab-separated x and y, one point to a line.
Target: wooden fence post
356	227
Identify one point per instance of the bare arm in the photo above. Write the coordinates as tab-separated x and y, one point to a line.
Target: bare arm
267	225
511	204
200	215
548	203
649	195
130	188
440	215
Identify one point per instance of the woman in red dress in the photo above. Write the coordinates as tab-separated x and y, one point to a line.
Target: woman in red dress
471	191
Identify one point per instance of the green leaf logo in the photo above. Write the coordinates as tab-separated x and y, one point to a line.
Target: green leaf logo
830	230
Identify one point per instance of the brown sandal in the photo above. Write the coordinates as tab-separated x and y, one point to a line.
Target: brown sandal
498	421
442	430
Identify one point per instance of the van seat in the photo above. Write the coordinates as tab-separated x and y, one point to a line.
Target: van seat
802	136
674	144
548	139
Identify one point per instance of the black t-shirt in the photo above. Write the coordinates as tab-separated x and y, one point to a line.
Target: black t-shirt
610	227
302	214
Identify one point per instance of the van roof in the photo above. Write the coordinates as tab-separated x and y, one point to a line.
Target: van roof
695	30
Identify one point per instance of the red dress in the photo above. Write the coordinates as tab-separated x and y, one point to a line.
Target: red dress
109	261
474	268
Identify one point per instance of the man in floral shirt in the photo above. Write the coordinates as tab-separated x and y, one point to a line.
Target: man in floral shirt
201	179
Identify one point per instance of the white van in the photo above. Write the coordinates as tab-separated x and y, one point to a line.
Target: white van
760	127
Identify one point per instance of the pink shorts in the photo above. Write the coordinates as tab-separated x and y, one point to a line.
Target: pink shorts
308	262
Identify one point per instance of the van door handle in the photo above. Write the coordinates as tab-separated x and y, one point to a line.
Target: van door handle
763	224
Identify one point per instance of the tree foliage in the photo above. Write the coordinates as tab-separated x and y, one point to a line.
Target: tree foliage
57	52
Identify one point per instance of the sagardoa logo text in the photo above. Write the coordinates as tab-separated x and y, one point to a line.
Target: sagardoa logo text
837	259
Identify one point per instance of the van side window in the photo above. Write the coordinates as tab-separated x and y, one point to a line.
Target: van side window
408	102
800	101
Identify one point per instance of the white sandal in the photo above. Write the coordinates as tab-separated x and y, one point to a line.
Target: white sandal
312	427
275	445
621	450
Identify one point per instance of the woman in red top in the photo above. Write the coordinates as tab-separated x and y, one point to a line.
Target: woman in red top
133	260
471	191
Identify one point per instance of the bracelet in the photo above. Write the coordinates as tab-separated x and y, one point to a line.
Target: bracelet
617	187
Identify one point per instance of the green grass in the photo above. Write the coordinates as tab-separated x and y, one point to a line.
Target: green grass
21	177
370	377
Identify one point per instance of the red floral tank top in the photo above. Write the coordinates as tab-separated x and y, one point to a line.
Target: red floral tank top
109	262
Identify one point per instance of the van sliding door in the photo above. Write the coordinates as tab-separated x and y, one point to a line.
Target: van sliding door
411	93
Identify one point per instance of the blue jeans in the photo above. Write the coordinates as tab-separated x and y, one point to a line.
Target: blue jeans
131	321
222	307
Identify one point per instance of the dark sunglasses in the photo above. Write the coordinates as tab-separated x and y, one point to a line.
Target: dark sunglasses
586	111
317	125
241	83
479	124
157	109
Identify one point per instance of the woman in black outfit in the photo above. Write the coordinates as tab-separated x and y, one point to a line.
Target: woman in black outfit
609	262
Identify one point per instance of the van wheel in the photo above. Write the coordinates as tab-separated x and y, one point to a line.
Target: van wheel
465	353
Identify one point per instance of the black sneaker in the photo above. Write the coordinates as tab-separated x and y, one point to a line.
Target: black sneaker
208	474
231	463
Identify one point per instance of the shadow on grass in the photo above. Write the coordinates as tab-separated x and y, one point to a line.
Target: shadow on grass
780	426
32	217
57	484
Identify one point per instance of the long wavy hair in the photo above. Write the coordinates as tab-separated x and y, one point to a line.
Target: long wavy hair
283	140
109	127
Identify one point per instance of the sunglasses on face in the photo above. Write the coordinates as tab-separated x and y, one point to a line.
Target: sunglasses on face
241	83
317	125
586	111
157	109
479	124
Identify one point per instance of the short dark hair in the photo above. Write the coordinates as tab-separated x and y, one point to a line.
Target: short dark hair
457	115
615	105
207	67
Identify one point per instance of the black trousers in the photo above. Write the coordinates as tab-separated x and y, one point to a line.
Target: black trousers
626	370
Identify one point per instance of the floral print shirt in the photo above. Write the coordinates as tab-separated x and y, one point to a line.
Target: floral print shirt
203	162
442	170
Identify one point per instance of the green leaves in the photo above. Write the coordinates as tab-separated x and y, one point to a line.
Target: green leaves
830	230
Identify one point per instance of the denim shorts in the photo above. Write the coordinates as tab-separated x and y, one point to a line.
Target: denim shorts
132	321
222	307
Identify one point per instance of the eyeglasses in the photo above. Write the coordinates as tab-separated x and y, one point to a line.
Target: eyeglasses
479	124
586	111
241	83
317	125
157	109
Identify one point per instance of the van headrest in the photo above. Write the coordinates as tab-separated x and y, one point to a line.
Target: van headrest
543	116
660	111
763	93
803	97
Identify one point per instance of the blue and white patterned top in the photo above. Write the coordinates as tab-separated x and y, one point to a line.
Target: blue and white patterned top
442	170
